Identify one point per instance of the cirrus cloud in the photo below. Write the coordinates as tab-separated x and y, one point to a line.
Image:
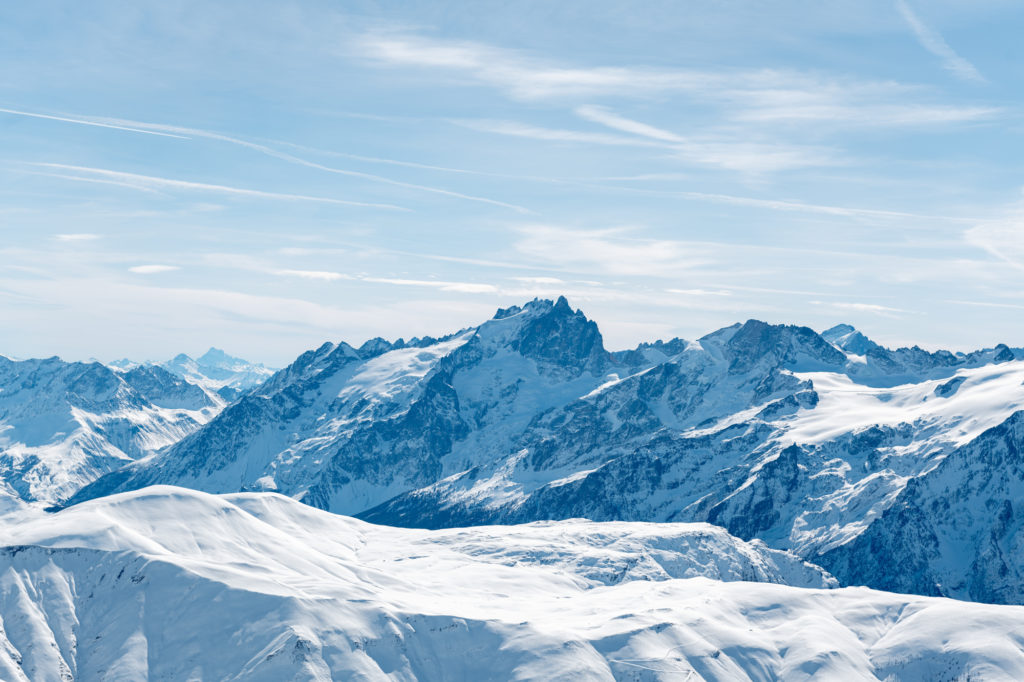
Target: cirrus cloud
152	269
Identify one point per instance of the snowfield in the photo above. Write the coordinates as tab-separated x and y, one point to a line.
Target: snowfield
173	584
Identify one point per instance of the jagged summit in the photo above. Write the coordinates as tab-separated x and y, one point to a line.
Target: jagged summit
1002	353
537	305
378	345
558	334
842	329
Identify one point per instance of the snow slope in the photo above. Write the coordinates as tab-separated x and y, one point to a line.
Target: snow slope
168	583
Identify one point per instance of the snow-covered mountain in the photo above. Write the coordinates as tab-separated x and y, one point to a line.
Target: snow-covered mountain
63	424
215	371
349	428
174	584
971	501
775	432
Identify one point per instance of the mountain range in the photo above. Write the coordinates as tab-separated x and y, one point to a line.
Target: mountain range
214	370
895	469
63	424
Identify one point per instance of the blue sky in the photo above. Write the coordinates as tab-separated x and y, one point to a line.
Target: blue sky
264	176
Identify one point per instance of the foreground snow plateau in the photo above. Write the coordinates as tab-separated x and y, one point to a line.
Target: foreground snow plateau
170	583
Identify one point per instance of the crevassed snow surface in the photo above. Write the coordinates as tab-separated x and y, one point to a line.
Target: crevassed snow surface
167	583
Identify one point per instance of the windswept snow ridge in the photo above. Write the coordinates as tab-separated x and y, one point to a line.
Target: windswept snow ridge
168	583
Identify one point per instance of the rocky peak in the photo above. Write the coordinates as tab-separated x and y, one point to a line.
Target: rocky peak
503	313
1002	353
555	333
166	389
847	338
837	331
92	382
377	346
215	357
754	342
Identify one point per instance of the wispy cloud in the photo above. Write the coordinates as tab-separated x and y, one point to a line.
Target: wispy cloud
753	95
718	270
700	292
313	274
1003	240
186	133
872	308
740	155
150	182
784	108
803	207
786	205
540	281
330	276
76	237
727	148
986	304
609	251
933	41
389	162
88	122
152	269
517	129
612	120
92	180
458	287
726	151
521	76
